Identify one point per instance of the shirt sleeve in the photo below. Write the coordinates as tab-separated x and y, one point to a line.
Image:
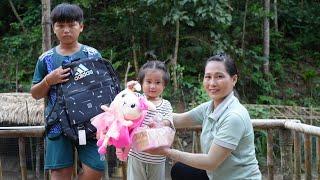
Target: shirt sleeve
92	52
167	114
39	72
230	131
198	113
98	55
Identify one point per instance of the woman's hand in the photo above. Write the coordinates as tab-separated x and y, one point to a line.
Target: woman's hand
159	151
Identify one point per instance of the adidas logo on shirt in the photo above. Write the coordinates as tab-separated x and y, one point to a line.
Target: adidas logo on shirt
82	72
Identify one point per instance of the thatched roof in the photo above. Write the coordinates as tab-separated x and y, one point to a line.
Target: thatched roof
20	109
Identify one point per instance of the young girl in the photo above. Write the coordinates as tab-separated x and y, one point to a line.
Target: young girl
153	76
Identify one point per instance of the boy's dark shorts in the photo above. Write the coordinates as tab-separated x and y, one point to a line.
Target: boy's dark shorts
60	154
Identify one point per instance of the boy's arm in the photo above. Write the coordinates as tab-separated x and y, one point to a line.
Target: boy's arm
41	89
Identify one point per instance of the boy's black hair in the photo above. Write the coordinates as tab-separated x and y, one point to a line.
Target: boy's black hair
66	13
154	65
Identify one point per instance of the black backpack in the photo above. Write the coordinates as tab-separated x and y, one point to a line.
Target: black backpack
92	83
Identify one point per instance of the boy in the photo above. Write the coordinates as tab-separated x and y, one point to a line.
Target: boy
67	23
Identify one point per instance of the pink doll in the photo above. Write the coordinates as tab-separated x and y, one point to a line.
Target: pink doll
116	124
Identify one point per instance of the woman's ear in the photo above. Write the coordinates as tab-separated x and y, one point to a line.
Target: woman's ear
234	79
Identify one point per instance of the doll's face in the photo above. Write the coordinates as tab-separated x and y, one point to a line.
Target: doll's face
129	105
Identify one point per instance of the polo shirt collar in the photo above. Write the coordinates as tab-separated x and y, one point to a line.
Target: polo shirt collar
217	112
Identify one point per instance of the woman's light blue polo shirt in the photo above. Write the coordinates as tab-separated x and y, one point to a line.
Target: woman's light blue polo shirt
229	126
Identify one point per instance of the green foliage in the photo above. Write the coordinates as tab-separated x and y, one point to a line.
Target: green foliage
257	112
206	27
261	148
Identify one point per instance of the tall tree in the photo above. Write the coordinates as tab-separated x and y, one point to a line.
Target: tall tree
244	27
275	8
46	25
266	37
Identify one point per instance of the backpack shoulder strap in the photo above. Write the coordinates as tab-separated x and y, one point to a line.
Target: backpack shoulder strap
113	74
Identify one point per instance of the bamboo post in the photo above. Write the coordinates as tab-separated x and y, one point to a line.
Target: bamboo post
285	142
193	142
198	142
270	163
106	170
22	156
297	155
46	173
31	154
307	155
75	163
37	158
124	170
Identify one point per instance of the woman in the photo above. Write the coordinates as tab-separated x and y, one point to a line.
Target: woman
227	137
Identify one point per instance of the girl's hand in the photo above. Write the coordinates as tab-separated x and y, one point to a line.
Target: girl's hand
122	153
57	76
155	124
130	84
134	85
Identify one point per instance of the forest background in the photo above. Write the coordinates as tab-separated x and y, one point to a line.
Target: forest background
276	46
183	33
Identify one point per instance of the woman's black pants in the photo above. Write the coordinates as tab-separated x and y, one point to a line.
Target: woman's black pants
181	171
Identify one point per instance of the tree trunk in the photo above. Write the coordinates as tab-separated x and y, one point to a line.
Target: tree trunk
134	53
174	63
244	27
134	50
46	42
175	57
126	75
275	6
17	81
17	16
266	37
46	25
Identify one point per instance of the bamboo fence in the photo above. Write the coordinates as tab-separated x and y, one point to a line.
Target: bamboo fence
296	127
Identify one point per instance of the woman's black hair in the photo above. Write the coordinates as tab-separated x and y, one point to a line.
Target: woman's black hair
228	62
66	13
154	65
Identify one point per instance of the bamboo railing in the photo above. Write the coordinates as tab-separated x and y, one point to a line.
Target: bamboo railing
292	135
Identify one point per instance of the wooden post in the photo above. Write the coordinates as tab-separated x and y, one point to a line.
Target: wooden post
198	146
270	163
307	155
286	143
194	141
75	163
31	154
46	173
37	158
22	156
106	170
297	155
124	170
